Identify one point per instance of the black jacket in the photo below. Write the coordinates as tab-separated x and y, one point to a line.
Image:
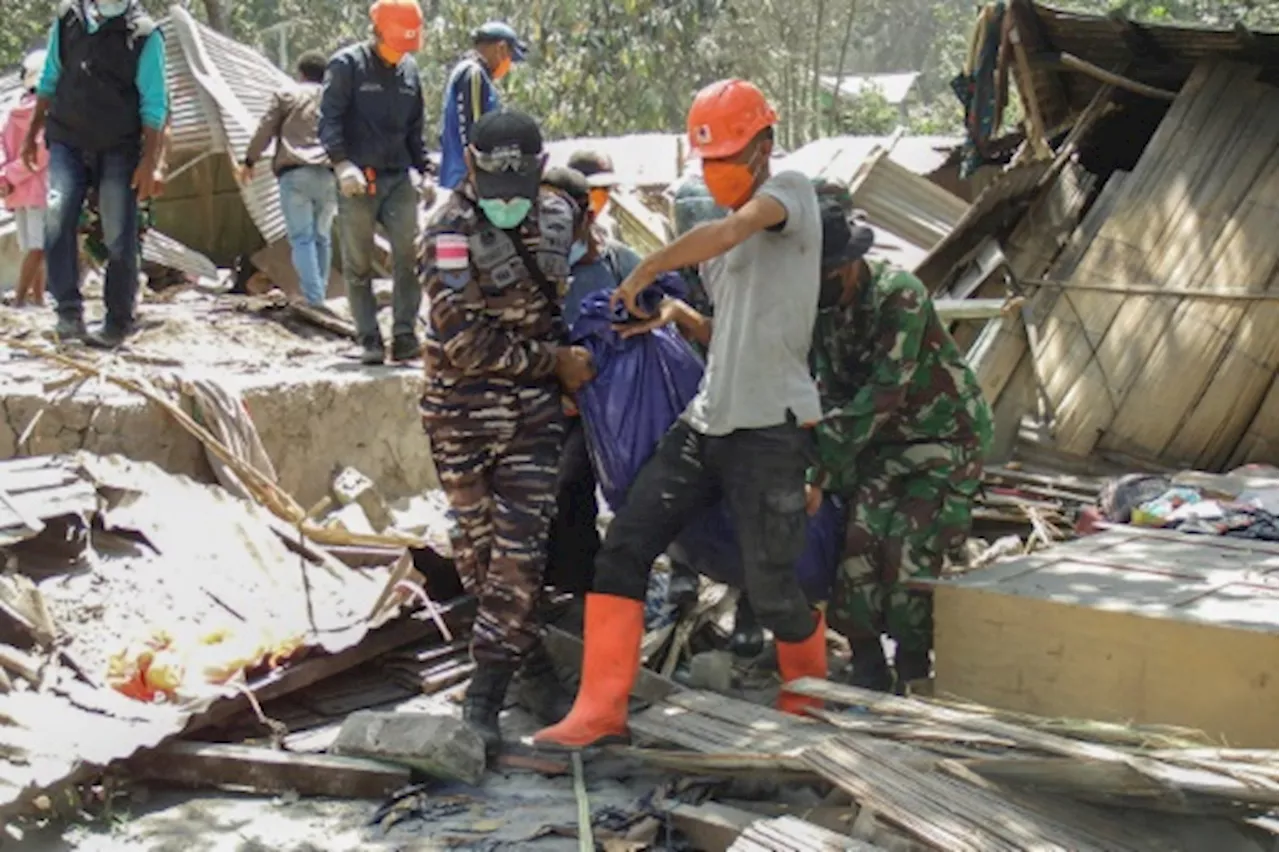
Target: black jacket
372	113
96	104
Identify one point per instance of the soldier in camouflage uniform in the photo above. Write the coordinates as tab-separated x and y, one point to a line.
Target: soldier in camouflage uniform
902	439
496	259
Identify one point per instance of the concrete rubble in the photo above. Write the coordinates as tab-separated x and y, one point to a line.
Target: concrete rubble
440	746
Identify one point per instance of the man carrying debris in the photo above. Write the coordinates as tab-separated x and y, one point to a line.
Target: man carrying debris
102	104
902	441
742	437
308	191
371	126
496	257
470	93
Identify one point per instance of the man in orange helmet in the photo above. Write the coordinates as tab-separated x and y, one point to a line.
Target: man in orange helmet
743	438
371	126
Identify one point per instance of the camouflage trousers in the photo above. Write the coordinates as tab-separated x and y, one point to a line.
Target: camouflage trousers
500	477
910	507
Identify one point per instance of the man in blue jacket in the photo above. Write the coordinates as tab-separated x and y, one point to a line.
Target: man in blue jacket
102	103
470	93
371	126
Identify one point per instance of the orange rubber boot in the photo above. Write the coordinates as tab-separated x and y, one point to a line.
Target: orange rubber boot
612	631
802	659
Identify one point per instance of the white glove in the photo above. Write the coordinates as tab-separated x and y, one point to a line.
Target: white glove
351	180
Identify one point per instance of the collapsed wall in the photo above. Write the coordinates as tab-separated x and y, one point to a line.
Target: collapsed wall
316	412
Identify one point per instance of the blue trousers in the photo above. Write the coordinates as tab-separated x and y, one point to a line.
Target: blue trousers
309	202
71	173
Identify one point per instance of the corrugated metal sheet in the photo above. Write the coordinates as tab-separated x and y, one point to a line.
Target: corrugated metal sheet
838	158
911	214
230	567
238	82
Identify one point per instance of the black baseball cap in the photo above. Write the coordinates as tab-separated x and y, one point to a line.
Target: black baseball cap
506	147
571	182
597	168
501	31
845	236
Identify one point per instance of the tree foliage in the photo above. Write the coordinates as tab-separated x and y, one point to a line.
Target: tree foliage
603	67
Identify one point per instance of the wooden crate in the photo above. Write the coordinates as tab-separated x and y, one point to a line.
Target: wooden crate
1129	625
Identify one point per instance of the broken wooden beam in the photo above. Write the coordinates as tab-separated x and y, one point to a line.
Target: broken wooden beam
792	834
263	770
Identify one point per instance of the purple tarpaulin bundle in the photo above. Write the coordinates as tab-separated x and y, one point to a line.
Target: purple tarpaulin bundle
642	385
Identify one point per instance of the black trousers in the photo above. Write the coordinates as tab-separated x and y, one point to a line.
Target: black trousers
761	474
574	540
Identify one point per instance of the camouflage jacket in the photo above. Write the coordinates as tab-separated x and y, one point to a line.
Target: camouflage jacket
890	376
493	330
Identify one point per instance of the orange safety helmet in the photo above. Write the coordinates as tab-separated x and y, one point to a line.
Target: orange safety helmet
398	23
726	116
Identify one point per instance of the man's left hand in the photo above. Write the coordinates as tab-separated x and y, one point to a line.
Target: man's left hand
148	181
628	291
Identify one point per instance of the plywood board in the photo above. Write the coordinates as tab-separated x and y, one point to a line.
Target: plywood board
1147	629
1261	441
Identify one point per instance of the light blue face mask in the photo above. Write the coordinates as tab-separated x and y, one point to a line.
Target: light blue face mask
506	213
577	252
112	8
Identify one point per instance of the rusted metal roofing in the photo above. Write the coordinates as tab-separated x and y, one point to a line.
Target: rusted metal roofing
838	158
209	560
1158	54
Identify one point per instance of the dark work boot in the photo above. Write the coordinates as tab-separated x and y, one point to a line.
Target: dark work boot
869	669
106	336
539	690
69	327
747	640
372	352
483	702
682	593
910	666
405	347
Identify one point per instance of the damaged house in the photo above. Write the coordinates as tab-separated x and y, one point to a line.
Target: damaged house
1142	240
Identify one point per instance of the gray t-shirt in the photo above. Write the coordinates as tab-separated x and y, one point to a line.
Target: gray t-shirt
765	294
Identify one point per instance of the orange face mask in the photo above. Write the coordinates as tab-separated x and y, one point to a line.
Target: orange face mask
389	56
729	183
598	198
504	67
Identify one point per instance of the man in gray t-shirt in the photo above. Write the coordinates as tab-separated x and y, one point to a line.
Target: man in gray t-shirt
743	438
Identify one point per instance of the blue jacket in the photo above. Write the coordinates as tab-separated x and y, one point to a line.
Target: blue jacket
372	113
469	95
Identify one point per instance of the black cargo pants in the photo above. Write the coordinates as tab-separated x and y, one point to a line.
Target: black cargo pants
760	472
574	540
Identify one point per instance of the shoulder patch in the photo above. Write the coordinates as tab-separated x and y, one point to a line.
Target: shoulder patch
452	252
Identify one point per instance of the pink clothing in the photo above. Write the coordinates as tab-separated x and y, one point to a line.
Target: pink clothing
28	187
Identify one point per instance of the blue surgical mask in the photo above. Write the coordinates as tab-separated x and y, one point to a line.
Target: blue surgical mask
506	213
112	8
577	252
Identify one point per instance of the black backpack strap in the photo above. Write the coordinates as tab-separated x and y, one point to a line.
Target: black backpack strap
544	284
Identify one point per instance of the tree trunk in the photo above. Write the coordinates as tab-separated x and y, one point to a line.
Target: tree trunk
219	14
815	107
844	52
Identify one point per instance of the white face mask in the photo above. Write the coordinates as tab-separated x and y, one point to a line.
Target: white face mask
112	8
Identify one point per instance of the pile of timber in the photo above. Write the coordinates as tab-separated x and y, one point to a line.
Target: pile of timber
926	775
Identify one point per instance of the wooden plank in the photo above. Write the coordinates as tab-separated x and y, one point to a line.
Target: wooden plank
710	827
793	834
951	815
1054	659
262	770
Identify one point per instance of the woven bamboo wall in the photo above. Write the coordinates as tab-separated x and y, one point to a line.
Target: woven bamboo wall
1179	380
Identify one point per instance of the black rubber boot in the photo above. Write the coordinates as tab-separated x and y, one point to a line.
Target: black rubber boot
747	640
869	669
910	666
539	690
483	702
